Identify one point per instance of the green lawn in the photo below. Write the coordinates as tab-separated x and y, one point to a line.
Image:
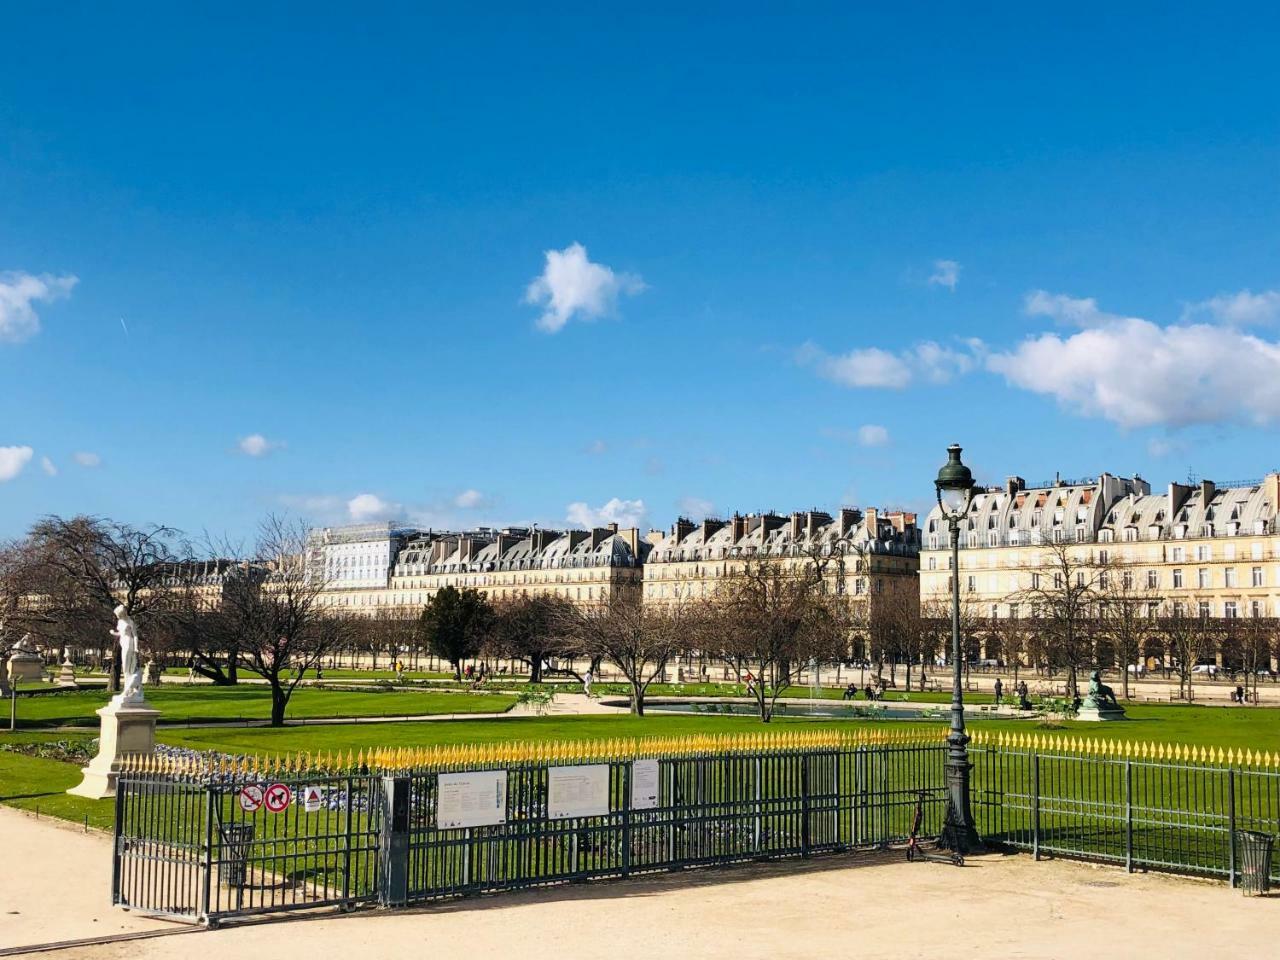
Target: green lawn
33	783
197	704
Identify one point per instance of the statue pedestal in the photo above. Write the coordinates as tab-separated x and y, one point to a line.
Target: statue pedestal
127	729
1091	710
27	666
67	675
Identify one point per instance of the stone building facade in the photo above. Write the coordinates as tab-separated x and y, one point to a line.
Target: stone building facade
1211	549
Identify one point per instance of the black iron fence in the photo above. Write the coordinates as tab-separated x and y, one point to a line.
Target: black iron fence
1142	806
216	839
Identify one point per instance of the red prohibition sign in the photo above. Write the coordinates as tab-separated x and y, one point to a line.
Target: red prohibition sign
278	797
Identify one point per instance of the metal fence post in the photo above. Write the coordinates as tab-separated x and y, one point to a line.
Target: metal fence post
1035	806
122	792
206	861
1128	816
346	848
1231	826
804	804
626	818
393	843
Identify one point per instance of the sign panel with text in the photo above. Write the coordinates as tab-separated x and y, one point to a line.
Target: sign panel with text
644	784
581	791
476	798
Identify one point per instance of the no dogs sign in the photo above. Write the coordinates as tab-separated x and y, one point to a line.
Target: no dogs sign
278	798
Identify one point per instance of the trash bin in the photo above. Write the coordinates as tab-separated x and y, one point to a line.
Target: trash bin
1255	861
234	856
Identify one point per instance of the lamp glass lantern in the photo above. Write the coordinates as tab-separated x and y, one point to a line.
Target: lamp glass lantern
954	484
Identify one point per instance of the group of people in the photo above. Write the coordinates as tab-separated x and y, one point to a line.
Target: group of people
1020	691
868	691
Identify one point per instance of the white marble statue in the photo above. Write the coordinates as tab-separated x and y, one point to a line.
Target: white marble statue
130	670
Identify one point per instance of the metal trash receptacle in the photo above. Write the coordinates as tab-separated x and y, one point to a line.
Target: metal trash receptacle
1255	861
233	861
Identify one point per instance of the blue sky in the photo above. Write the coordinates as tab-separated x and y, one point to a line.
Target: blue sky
579	265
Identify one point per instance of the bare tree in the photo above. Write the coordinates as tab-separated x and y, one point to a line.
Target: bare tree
1066	587
1125	614
771	619
274	605
639	639
533	630
1249	641
88	565
1189	634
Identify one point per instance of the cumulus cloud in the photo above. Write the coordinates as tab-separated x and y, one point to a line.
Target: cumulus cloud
469	499
18	291
256	445
625	513
13	460
696	508
369	506
946	273
571	285
1243	309
873	435
1136	373
87	459
873	367
48	467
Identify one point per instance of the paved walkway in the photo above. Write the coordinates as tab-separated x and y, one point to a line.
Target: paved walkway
55	880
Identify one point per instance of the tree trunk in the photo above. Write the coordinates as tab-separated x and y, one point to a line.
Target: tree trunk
279	700
637	700
535	669
1124	667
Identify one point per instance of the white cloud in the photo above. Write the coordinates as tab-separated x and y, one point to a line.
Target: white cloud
946	273
18	291
469	499
1135	373
625	513
873	435
48	467
256	445
369	506
696	508
597	447
1077	311
87	459
873	367
1160	447
13	460
1243	309
571	285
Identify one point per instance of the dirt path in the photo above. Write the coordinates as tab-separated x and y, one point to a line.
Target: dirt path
57	881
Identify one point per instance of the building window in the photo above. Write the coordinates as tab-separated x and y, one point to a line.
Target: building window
1035	581
1230	577
1204	552
1178	555
1202	577
1013	611
1255	608
1229	610
1153	579
1177	579
972	584
1255	576
933	563
1206	609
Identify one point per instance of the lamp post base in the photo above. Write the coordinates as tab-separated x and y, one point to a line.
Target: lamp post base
958	831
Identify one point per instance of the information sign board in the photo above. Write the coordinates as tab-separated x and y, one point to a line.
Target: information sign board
644	784
580	791
476	798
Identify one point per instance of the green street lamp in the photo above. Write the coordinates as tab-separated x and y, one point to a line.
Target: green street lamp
955	489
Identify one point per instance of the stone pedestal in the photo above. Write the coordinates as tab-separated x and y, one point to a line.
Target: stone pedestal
1094	710
24	665
67	675
127	729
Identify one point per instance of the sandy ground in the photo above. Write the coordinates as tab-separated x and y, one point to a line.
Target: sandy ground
55	880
